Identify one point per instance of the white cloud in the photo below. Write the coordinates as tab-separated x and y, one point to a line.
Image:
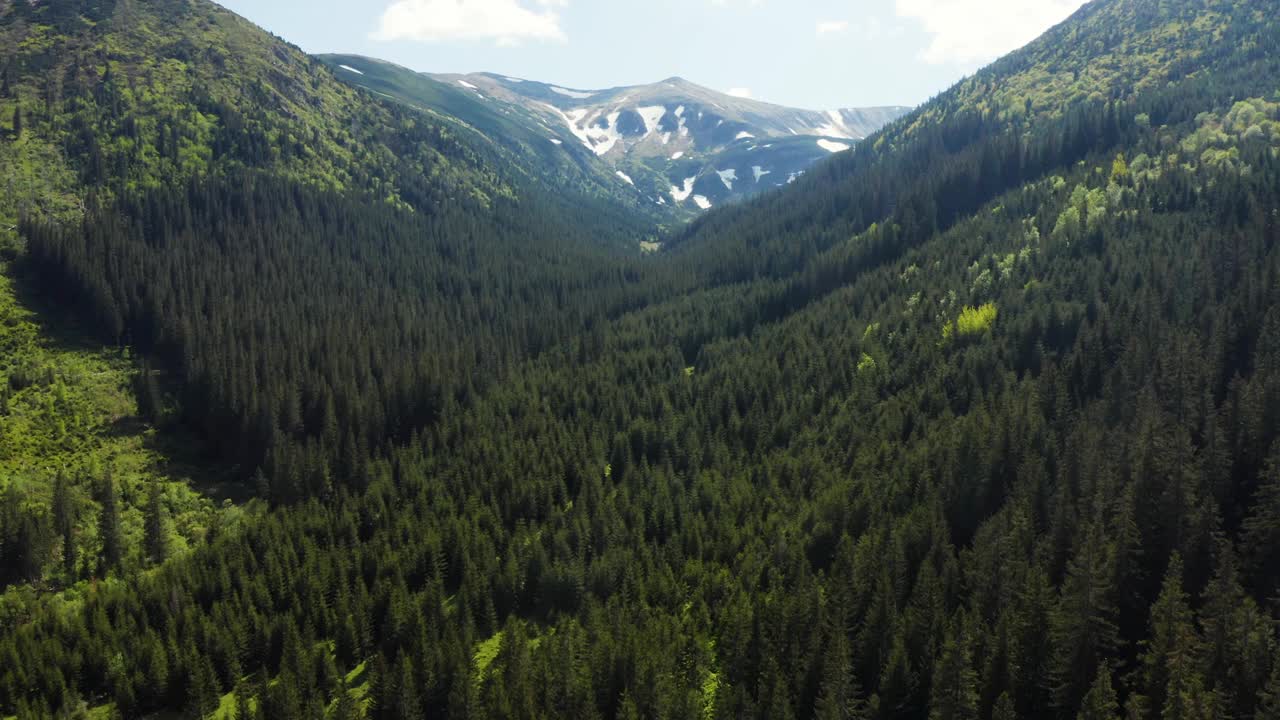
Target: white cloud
739	92
507	22
832	27
966	31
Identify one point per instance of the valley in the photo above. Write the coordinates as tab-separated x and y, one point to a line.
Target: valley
334	390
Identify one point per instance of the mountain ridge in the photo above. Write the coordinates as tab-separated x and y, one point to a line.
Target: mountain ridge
680	145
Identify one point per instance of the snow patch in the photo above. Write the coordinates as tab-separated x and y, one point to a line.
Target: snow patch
728	177
678	155
348	68
681	195
513	80
744	135
702	202
599	139
571	121
832	146
467	85
759	172
666	138
652	116
835	128
626	178
605	138
557	141
575	94
680	111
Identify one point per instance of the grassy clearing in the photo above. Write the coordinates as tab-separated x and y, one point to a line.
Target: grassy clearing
67	405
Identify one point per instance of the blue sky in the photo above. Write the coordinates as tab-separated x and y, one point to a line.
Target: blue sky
814	54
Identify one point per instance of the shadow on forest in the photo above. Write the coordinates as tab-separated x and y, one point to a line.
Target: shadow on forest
179	452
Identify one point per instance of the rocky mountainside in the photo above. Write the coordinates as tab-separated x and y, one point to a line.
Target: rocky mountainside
681	146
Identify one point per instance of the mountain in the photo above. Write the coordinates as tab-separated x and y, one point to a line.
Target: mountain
151	94
675	144
976	420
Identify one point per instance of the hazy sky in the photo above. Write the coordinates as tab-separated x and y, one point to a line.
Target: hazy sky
814	54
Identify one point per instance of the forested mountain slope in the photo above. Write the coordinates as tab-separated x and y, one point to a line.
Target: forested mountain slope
976	422
517	134
1079	88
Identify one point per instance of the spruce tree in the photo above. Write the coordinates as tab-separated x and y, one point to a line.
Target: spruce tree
838	696
1083	626
1172	638
1260	540
109	531
150	405
156	537
1004	709
64	522
954	694
1100	702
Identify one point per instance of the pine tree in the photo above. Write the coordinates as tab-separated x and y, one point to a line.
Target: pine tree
150	405
345	706
897	684
1172	637
1100	702
17	122
1083	626
1269	698
1260	539
156	536
205	694
954	694
109	532
838	697
403	699
1004	709
64	522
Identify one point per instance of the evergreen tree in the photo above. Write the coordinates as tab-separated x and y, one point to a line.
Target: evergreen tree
1100	702
1269	698
403	698
204	692
345	706
1261	533
1004	708
1172	638
839	695
109	531
1083	627
155	534
64	520
150	405
954	694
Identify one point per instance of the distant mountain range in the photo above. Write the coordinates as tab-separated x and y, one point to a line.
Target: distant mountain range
674	144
